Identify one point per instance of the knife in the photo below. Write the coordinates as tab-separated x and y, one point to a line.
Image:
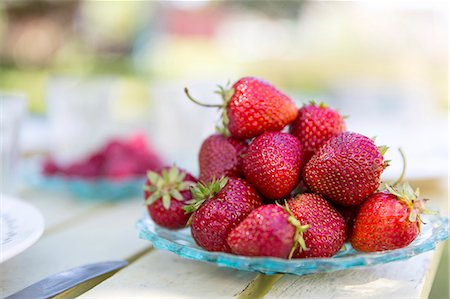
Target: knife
58	283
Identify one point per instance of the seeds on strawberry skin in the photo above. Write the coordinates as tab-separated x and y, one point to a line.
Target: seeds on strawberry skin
257	107
218	208
346	169
265	232
307	226
316	124
251	107
326	233
273	164
388	220
221	156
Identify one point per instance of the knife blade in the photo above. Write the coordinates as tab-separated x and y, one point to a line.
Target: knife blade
60	282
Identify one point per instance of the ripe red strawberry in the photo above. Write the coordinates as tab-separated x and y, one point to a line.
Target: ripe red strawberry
346	169
252	107
166	193
142	151
265	232
218	208
50	167
221	156
125	158
326	232
117	160
315	125
273	163
388	220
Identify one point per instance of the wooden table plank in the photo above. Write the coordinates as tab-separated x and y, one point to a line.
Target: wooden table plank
403	279
161	274
164	275
58	208
108	234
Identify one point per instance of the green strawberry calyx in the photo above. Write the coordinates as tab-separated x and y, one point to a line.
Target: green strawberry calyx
166	186
299	241
226	94
383	149
320	105
201	192
410	197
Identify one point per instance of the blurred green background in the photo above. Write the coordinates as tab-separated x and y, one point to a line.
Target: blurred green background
307	46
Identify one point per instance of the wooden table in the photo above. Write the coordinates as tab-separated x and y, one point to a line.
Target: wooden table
79	232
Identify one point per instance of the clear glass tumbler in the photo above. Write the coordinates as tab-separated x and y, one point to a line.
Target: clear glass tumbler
79	114
12	111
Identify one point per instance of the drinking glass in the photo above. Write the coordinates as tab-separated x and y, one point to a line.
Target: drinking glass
79	114
12	111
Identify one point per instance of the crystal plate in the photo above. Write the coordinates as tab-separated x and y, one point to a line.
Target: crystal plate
91	189
99	189
181	243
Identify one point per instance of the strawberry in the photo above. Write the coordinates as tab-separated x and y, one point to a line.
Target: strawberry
83	169
315	125
273	163
388	220
143	154
326	232
117	160
346	169
50	167
218	208
221	156
166	193
307	226
265	232
125	158
119	168
252	107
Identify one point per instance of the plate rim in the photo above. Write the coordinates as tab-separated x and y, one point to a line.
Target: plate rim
34	236
335	263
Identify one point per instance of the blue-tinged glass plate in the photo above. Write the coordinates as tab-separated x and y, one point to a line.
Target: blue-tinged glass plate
95	189
180	242
99	189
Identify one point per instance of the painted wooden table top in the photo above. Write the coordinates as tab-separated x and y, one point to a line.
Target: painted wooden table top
78	232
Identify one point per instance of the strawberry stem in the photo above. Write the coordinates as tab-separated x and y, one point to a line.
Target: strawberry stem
186	91
402	175
226	95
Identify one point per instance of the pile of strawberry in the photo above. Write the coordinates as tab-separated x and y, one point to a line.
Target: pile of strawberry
265	192
117	160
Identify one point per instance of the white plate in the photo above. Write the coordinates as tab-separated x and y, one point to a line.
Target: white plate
21	226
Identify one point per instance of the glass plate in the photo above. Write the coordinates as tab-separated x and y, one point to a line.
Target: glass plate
181	243
96	189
